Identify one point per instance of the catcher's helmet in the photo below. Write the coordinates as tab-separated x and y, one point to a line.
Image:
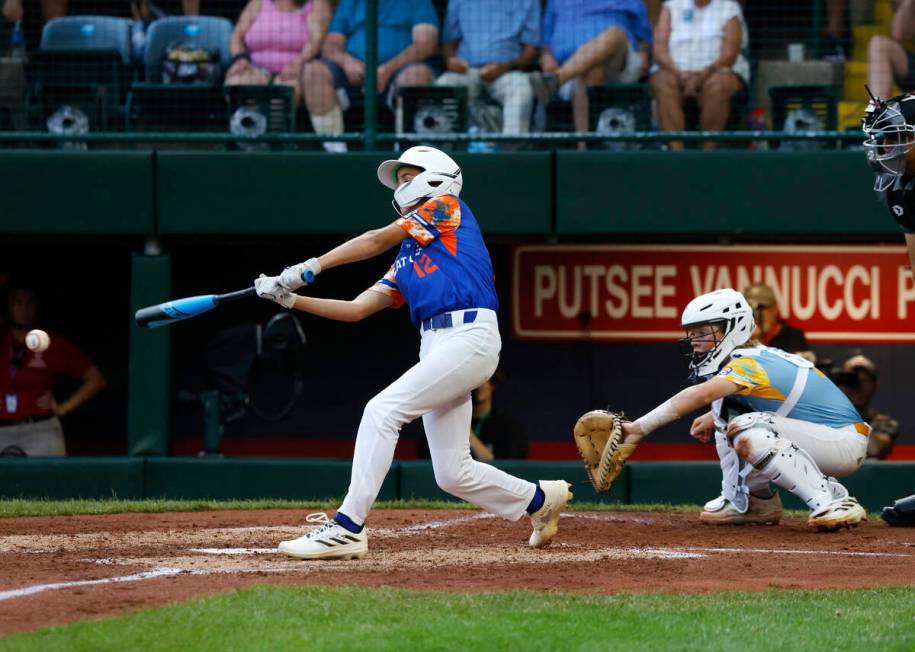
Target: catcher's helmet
440	176
890	129
730	311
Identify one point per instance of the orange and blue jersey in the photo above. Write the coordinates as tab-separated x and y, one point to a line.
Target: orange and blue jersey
767	379
444	264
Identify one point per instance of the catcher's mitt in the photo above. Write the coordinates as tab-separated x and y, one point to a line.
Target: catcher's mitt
599	437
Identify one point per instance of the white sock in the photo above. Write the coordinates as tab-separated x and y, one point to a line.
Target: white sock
328	123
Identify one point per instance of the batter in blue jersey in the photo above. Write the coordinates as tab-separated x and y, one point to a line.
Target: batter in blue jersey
444	273
444	265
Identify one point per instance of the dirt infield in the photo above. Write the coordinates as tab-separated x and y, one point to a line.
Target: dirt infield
61	569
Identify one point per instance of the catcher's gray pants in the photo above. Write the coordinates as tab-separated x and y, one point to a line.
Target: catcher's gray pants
452	362
37	439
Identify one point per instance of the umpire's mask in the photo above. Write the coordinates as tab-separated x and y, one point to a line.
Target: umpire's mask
890	130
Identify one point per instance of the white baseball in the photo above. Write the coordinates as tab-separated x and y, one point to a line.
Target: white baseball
37	340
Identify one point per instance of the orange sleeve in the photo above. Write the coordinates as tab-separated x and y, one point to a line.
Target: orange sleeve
437	217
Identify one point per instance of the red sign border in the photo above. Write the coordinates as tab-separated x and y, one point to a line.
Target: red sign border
664	336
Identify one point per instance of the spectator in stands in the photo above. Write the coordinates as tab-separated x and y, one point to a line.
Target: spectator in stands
697	52
771	330
494	434
274	38
887	60
12	11
858	379
29	423
831	44
407	36
487	45
592	42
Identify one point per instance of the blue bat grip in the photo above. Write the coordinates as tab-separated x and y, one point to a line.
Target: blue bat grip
308	276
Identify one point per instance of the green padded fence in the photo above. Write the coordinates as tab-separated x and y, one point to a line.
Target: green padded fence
224	479
65	478
717	193
875	484
77	193
825	193
315	193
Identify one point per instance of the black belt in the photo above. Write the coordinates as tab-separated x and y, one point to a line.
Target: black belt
19	422
449	319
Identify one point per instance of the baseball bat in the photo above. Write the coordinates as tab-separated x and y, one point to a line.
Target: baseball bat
172	311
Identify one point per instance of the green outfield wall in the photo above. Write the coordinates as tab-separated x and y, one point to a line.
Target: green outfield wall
527	193
875	484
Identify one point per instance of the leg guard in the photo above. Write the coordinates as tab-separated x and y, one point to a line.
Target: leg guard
733	485
756	440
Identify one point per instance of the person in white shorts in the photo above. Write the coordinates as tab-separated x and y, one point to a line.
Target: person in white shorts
588	42
774	416
444	273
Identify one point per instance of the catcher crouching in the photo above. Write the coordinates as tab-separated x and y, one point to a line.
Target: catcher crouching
774	416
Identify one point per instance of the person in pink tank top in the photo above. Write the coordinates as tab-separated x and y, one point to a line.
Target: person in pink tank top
273	38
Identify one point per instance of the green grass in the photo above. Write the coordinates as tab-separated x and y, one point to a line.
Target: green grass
349	618
10	508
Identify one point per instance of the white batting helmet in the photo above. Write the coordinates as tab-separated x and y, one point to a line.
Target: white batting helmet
727	308
440	176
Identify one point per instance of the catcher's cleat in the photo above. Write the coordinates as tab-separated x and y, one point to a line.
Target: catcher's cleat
329	541
845	512
557	494
760	511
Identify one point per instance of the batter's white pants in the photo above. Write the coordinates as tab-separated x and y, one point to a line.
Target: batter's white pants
452	362
512	90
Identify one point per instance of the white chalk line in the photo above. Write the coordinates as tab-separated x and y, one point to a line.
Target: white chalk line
778	551
136	577
235	551
664	553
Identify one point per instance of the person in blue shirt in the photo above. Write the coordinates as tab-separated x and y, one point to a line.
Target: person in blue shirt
443	272
487	45
407	36
588	42
774	416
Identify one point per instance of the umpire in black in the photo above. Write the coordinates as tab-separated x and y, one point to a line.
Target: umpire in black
889	126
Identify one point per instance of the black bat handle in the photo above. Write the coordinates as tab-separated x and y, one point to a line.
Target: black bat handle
235	296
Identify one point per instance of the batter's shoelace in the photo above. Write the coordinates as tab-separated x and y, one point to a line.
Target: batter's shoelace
322	519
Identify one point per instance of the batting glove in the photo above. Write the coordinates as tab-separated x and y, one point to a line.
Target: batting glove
268	287
300	275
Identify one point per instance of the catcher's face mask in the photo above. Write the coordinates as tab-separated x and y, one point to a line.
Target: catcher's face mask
889	139
699	345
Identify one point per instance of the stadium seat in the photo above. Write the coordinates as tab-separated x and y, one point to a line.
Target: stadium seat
619	108
433	109
82	62
152	105
819	101
276	104
207	32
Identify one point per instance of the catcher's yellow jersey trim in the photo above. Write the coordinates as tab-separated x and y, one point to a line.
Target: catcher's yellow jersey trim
766	376
751	378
